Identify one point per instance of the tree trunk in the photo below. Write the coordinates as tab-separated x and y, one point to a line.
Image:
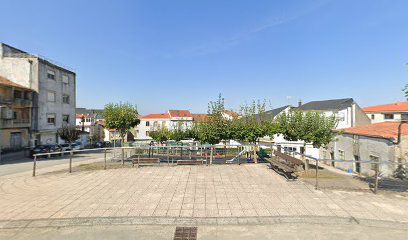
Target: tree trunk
305	160
255	157
123	152
212	154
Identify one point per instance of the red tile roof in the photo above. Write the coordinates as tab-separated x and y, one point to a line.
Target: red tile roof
200	117
5	81
231	113
156	115
392	107
180	113
381	130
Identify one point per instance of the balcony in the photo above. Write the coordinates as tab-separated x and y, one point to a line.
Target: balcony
15	123
22	102
5	100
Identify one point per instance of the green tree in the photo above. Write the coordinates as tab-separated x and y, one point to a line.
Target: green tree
405	90
122	117
69	134
310	127
160	134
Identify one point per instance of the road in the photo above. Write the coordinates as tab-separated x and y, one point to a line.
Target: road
17	163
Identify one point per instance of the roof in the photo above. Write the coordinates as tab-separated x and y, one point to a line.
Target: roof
5	81
335	104
94	113
180	113
156	116
391	107
386	130
200	117
276	111
231	113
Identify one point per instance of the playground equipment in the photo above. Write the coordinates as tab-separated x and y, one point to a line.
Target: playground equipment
234	159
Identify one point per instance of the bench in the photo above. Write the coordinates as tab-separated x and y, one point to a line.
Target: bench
189	162
282	169
285	165
145	161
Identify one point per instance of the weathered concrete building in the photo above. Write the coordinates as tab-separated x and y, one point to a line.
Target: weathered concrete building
54	91
387	141
15	115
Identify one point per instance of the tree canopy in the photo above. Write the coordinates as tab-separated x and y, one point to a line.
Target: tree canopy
69	133
122	117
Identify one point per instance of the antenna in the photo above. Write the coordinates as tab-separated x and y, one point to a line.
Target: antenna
288	98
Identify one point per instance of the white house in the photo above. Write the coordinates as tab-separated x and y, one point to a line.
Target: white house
393	112
171	119
347	112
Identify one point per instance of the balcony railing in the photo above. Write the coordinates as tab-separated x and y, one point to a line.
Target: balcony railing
15	123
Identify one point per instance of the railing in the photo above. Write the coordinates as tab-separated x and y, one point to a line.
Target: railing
15	123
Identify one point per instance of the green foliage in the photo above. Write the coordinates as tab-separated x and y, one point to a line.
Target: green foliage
400	172
161	134
405	90
121	117
69	133
311	127
262	153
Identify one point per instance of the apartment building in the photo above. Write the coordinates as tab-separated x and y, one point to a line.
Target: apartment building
15	115
54	91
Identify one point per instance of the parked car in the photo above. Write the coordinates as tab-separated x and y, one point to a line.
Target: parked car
49	148
75	146
65	147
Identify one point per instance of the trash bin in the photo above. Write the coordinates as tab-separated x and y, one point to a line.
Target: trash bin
350	170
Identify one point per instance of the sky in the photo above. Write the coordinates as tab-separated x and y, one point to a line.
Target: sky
180	54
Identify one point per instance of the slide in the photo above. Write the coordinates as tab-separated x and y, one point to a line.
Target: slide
236	157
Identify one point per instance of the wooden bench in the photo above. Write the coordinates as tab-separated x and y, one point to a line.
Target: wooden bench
282	169
145	161
285	165
189	162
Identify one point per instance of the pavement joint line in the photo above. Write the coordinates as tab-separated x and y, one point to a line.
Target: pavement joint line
197	221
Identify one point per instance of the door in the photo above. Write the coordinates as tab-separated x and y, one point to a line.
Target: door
332	158
15	140
357	164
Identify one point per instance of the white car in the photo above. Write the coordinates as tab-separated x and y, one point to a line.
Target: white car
75	146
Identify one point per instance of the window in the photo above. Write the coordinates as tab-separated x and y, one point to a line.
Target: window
342	155
65	79
340	116
51	97
17	94
147	133
65	99
51	118
147	124
27	95
65	118
404	116
14	115
388	116
51	75
374	166
372	116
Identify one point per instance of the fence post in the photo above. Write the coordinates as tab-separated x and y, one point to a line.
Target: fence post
104	166
168	155
317	169
211	154
376	179
70	162
123	156
34	165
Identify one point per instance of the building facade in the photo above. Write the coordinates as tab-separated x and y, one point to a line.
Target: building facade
54	91
15	115
393	112
387	141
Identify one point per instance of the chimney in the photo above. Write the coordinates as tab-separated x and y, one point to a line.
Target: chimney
299	103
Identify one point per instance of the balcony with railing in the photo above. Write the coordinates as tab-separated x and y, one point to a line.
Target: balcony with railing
15	123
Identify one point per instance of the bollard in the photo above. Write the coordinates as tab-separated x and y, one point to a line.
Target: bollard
104	166
34	165
317	169
70	162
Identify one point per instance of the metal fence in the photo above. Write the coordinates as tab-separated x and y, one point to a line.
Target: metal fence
217	154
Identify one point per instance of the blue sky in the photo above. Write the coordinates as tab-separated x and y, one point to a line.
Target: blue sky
162	54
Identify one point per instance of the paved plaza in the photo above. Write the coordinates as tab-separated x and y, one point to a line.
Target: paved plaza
217	191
